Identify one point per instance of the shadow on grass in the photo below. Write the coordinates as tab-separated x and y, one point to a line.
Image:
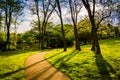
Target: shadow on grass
39	73
61	61
104	68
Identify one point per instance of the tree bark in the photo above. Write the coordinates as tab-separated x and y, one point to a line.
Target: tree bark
61	20
76	38
93	42
74	14
8	23
46	15
39	25
63	34
91	14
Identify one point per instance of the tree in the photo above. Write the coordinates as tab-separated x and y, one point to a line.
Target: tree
116	32
0	20
46	11
16	22
101	15
10	7
75	7
38	17
91	15
59	13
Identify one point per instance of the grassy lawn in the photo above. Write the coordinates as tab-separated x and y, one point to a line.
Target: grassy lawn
12	63
86	65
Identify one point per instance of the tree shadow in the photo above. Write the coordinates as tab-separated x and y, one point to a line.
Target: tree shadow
60	61
64	59
104	68
38	72
50	76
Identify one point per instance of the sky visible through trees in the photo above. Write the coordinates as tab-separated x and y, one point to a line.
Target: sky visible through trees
28	14
27	17
83	36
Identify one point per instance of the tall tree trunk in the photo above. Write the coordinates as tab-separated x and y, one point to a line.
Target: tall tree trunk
77	45
61	20
93	42
43	32
74	14
91	14
39	25
63	34
42	38
39	29
8	37
8	23
46	15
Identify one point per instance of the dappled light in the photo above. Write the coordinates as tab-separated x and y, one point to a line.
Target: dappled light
59	39
88	65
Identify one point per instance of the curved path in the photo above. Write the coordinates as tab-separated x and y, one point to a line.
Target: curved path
37	68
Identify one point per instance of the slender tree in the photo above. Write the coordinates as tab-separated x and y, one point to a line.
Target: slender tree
10	7
47	12
100	15
91	14
0	19
75	6
16	23
59	13
43	7
38	17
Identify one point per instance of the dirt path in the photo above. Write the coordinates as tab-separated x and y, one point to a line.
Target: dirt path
37	68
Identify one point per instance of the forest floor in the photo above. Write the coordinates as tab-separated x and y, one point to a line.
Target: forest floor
39	69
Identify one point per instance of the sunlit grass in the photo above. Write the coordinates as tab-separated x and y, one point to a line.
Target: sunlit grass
86	65
12	64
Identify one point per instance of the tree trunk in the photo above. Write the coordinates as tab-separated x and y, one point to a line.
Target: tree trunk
91	14
77	46
39	29
8	23
96	43
8	37
63	34
74	14
93	42
62	30
43	33
39	25
42	41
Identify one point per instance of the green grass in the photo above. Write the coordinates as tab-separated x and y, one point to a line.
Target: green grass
12	64
86	65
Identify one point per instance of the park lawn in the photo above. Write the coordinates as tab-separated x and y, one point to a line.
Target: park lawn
86	65
12	64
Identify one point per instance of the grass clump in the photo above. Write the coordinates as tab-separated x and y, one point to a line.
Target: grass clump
12	64
86	65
